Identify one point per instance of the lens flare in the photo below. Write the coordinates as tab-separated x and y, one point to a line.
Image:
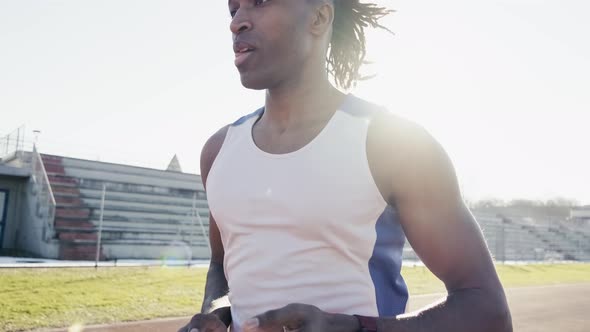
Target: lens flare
77	327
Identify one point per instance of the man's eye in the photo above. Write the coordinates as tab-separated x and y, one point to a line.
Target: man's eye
232	13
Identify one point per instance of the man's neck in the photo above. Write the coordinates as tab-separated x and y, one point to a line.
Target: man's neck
298	104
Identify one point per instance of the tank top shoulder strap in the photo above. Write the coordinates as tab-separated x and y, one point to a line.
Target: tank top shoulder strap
256	114
242	127
361	108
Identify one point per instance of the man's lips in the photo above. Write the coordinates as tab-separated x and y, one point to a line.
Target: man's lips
242	50
241	58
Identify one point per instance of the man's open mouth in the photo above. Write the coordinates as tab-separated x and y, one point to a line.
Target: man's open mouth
242	51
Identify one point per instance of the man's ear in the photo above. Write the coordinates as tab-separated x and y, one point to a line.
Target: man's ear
322	18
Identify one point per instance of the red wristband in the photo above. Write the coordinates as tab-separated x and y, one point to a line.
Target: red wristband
368	324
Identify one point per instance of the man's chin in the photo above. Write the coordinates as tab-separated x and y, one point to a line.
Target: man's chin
253	83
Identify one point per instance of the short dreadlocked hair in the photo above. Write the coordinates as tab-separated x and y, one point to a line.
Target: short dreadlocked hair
347	49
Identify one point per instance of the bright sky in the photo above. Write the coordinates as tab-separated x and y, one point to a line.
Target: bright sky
504	85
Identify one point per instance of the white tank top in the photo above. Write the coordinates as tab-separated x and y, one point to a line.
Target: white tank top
308	226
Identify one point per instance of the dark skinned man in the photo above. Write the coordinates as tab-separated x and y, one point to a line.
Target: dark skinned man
313	195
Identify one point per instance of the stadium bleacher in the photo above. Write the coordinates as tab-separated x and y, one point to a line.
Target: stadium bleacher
517	239
157	214
148	213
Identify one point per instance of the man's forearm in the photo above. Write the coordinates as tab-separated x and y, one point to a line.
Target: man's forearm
216	290
463	311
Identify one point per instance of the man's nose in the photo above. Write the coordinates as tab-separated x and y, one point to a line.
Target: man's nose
240	22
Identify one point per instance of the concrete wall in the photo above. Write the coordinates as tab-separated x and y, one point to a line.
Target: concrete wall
25	228
31	233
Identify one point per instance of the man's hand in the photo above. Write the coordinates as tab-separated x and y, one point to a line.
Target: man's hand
204	323
301	318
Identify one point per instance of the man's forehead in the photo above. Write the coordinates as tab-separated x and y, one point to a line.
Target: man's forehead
230	1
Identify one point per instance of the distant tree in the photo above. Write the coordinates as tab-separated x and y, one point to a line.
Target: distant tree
525	203
562	202
487	203
557	207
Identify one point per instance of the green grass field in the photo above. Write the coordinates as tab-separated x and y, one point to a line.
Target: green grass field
34	298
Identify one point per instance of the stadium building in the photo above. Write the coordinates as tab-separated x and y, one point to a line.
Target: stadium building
67	208
52	207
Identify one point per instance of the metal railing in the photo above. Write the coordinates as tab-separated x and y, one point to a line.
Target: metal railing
12	143
46	201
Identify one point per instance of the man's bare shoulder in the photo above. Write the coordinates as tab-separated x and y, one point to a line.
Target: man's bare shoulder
404	153
395	131
211	149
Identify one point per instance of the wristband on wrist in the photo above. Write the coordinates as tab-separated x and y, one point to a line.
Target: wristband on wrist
224	314
368	324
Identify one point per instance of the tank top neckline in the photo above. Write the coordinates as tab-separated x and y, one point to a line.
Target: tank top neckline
253	146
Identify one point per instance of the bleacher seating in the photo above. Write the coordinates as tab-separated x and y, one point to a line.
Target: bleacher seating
515	239
148	213
152	213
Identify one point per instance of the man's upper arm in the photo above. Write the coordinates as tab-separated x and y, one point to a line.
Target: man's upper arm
421	184
208	155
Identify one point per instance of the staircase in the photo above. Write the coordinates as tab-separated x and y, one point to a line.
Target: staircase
77	235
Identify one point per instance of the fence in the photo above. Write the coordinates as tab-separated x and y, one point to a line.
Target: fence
171	240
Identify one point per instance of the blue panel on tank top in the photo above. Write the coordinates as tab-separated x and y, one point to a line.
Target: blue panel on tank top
245	118
385	265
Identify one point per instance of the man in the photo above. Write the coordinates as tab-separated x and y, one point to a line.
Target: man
312	196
